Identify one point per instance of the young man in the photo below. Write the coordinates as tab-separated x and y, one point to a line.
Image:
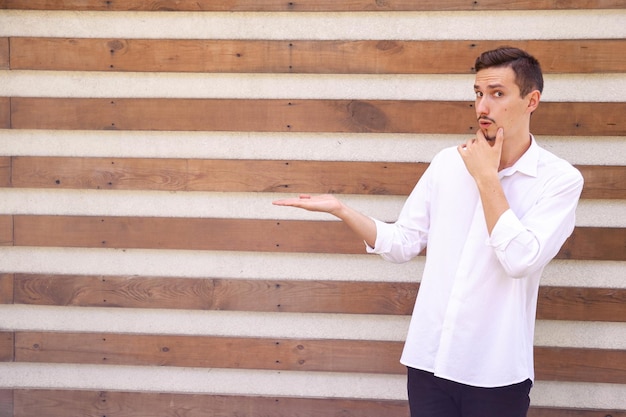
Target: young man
493	212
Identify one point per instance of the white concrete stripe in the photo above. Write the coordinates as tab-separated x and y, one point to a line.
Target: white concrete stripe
586	150
596	213
199	323
272	383
16	83
251	265
202	381
591	335
579	395
496	25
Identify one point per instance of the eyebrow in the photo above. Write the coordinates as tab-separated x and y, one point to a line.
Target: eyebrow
490	86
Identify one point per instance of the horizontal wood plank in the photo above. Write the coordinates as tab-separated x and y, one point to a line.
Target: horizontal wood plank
337	177
6	230
343	297
6	288
210	352
302	56
592	243
4	53
6	346
603	182
6	402
5	113
553	364
275	115
5	171
573	412
61	403
218	175
572	364
306	5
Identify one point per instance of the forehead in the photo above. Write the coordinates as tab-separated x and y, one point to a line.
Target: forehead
496	77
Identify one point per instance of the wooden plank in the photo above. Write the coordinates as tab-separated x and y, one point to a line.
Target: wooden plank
307	5
573	364
337	177
275	115
343	297
186	233
581	304
551	363
303	56
62	403
210	352
6	230
6	347
592	243
6	288
4	53
217	294
603	182
5	171
5	113
585	243
217	175
6	402
573	412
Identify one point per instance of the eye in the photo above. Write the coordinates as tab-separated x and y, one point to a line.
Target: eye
478	94
498	94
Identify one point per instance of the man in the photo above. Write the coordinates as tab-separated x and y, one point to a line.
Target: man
493	212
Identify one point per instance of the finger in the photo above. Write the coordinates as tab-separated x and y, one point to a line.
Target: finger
499	137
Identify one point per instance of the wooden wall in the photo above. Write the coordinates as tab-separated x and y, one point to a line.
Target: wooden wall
143	269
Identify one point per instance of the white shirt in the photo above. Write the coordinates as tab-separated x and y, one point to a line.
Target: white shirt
474	316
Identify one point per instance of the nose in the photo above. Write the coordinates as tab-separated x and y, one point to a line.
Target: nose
481	106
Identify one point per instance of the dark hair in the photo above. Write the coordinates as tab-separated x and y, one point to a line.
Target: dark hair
528	75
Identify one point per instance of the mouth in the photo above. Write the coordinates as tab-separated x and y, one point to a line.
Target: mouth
485	122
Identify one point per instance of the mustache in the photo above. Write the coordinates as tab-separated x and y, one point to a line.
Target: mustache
486	118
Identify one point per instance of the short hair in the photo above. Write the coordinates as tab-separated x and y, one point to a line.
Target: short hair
528	76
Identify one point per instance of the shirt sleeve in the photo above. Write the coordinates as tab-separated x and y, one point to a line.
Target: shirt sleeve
526	244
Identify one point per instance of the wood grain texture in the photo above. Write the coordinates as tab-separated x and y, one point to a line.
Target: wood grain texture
4	53
210	352
302	56
218	175
342	297
6	346
61	403
5	113
5	171
551	363
591	243
6	288
570	364
6	401
6	230
275	115
306	5
572	412
336	177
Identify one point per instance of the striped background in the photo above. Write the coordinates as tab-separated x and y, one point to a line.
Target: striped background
143	266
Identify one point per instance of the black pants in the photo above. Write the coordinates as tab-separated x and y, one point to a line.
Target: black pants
430	396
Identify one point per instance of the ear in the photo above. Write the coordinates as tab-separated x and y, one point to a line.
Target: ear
533	100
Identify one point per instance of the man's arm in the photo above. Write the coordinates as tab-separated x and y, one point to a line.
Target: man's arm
361	224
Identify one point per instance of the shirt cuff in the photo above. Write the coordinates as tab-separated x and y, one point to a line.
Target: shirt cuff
507	228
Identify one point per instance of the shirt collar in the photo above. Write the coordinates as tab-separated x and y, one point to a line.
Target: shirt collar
527	164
